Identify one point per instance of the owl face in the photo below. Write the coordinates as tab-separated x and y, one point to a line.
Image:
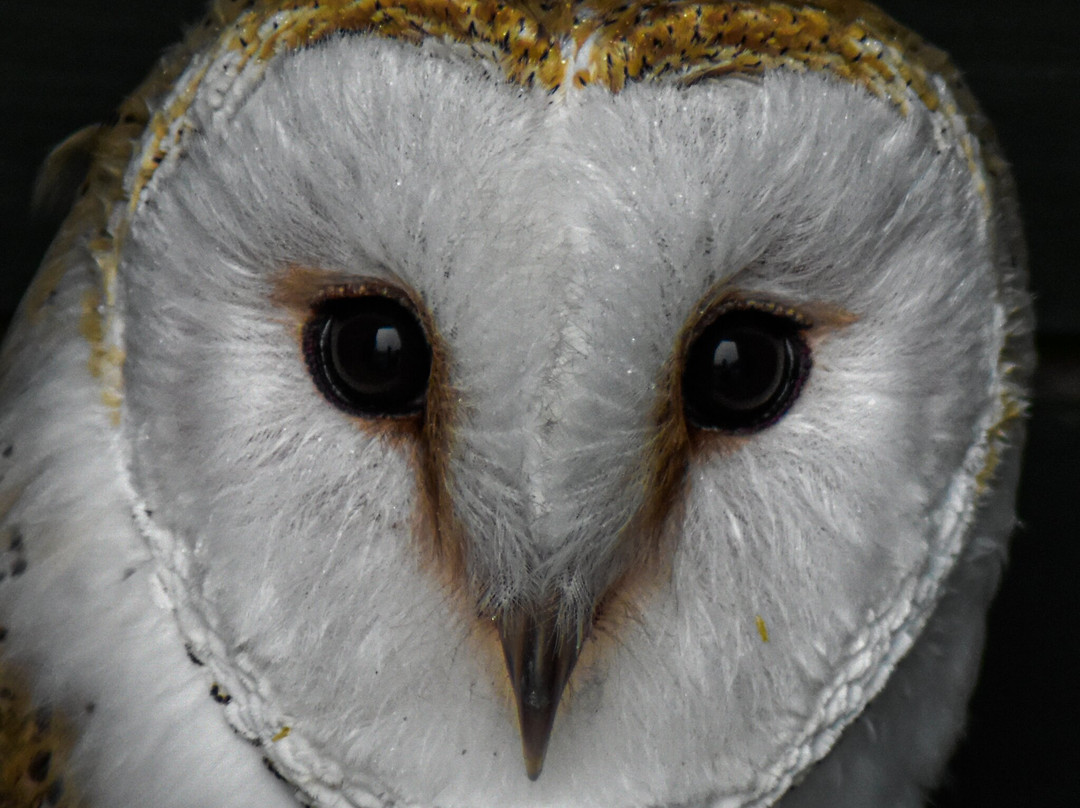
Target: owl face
638	428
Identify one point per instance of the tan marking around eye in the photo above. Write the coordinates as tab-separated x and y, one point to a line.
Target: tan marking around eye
817	320
675	442
298	288
425	437
647	542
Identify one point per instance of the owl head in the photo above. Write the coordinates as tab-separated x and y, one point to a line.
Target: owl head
627	387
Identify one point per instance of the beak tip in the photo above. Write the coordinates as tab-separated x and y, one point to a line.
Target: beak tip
536	730
533	766
539	666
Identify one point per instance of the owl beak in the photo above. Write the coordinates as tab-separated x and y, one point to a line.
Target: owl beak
539	662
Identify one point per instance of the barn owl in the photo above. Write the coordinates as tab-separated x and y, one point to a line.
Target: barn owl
460	403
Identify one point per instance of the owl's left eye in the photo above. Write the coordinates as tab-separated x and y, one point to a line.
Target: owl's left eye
744	370
369	355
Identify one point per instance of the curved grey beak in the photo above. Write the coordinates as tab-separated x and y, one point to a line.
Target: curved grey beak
539	662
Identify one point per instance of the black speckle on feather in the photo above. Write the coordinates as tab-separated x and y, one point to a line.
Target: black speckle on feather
273	769
38	769
191	655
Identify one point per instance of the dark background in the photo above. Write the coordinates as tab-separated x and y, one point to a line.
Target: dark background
67	63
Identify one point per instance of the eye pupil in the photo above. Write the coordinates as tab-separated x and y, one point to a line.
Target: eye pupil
743	371
365	355
369	355
747	368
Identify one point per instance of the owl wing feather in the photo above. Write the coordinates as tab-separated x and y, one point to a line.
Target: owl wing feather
101	700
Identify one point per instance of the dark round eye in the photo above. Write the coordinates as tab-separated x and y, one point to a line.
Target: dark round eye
744	371
369	355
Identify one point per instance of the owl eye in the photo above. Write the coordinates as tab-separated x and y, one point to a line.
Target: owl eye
744	370
369	355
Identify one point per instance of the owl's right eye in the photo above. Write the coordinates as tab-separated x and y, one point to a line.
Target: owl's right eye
369	355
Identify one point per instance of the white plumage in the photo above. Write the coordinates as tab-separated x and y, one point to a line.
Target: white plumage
788	613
